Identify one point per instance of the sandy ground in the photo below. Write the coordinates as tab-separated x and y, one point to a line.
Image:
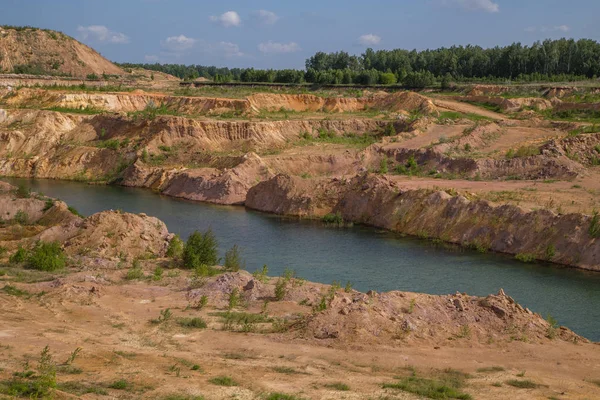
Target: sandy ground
111	325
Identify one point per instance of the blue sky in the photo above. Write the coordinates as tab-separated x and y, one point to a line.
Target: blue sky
283	33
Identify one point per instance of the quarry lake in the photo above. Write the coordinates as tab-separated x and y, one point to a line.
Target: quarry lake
369	258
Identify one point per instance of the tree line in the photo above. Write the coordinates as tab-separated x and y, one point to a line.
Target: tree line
550	60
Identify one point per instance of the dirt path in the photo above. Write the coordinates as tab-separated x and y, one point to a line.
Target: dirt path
451	105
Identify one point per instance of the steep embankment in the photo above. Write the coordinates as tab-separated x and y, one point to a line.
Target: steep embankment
48	144
377	201
400	102
42	51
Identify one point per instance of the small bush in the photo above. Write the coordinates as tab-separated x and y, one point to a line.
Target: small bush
234	298
338	386
223	381
233	259
19	256
74	211
261	275
594	229
157	275
282	396
200	249
121	384
165	315
23	192
334	219
135	272
197	323
47	257
526	257
522	384
430	388
21	217
175	249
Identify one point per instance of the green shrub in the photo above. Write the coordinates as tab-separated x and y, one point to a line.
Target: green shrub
175	249
196	322
121	384
389	130
19	256
21	217
234	298
430	388
233	259
338	386
135	272
594	229
200	249
261	275
47	256
74	211
383	166
550	252
157	275
282	396
526	257
35	386
335	219
223	381
522	384
23	192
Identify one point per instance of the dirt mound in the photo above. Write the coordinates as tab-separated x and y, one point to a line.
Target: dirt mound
116	234
404	101
49	52
487	90
584	148
510	105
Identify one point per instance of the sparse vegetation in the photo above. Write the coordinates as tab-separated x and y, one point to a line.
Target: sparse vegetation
338	386
448	388
522	384
223	381
196	322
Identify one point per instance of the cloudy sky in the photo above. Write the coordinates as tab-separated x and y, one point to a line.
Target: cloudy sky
282	34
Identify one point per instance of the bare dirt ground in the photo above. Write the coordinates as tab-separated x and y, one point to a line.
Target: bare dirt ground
220	148
110	319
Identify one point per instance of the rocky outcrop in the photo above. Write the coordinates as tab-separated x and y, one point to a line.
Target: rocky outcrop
108	234
376	201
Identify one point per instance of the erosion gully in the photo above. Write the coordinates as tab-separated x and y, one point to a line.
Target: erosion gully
370	259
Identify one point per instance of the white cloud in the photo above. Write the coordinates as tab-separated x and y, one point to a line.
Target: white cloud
227	19
101	33
546	29
369	40
267	17
178	44
228	49
562	28
274	47
478	5
151	58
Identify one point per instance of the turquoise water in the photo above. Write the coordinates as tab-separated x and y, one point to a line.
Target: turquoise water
369	258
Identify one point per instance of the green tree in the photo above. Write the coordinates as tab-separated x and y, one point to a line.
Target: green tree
200	249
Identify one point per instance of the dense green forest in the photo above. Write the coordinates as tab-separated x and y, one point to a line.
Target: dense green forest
550	60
